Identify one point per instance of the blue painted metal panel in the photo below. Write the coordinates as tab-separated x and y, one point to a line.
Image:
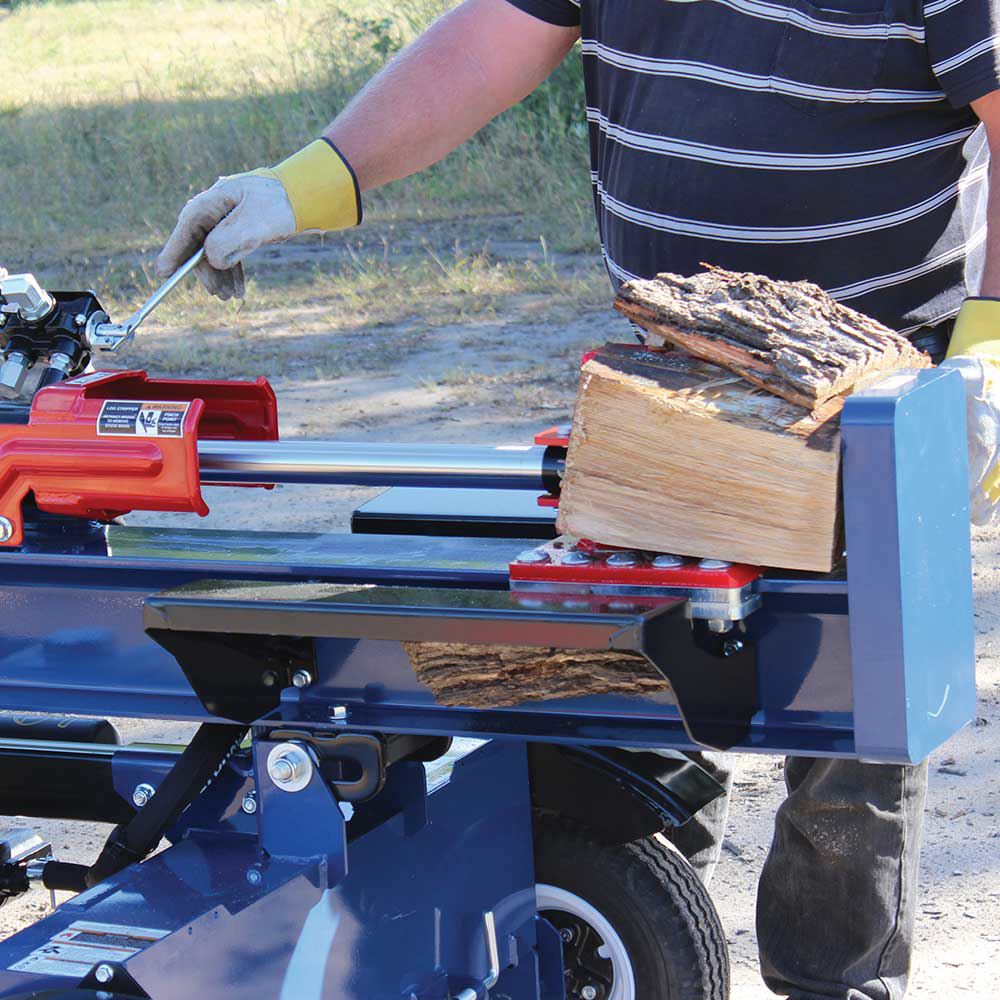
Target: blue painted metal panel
909	564
406	919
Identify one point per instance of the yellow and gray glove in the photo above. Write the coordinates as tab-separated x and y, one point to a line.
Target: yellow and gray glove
975	352
314	188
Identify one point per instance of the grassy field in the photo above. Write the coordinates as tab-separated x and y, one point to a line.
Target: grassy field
122	109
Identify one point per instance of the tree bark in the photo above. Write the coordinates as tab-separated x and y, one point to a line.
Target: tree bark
789	338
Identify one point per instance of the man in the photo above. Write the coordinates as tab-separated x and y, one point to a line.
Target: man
821	141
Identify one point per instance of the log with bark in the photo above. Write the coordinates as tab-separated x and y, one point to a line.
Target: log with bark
788	337
673	454
483	676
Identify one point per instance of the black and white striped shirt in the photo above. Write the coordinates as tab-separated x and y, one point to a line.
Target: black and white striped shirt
825	141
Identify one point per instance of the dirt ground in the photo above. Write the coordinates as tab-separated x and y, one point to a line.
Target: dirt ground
442	389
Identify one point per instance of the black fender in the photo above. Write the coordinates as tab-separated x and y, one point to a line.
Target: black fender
621	795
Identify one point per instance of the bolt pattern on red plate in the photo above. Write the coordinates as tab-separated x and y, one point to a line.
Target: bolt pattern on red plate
564	560
103	444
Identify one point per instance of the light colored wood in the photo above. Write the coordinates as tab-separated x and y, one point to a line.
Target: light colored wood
480	676
673	454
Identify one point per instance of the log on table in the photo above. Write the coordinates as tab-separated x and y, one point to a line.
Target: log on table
482	676
788	337
673	454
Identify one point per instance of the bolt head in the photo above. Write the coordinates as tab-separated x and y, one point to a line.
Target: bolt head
533	556
80	319
142	794
566	934
668	561
732	646
249	805
302	678
269	678
713	564
588	992
254	877
577	558
289	766
6	529
104	973
338	713
623	559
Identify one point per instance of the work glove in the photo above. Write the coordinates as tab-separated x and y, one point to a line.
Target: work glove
314	189
975	352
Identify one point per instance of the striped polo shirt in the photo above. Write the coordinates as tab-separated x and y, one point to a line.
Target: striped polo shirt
829	141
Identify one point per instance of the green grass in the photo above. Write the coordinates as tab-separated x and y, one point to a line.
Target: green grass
122	109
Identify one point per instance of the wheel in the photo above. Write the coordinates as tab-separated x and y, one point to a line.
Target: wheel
636	922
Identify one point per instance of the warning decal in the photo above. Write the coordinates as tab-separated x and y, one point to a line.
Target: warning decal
144	418
77	949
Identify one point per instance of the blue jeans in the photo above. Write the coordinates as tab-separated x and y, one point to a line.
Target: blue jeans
837	895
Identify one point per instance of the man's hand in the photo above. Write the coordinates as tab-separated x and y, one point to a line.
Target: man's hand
975	352
314	189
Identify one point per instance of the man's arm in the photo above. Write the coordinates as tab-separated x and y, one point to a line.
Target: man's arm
471	64
988	110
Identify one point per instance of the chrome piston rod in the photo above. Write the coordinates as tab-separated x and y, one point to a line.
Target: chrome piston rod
530	467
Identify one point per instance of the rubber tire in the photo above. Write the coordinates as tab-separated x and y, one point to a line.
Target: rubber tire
654	900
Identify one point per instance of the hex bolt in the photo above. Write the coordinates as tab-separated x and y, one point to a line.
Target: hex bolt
566	934
623	559
732	646
269	678
80	319
713	564
338	714
249	805
588	992
302	678
142	794
667	561
104	973
6	529
533	556
290	767
254	877
577	558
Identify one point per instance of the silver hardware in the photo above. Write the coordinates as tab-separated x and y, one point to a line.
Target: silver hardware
104	973
490	933
26	297
142	794
249	805
623	559
80	319
719	625
104	336
361	464
34	870
6	529
338	714
254	877
588	992
61	362
13	372
713	564
533	556
577	558
668	561
302	679
732	646
290	767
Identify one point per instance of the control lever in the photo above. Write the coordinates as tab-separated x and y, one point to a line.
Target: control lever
104	336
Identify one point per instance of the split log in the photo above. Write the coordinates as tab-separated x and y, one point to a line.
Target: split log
673	454
481	676
788	337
